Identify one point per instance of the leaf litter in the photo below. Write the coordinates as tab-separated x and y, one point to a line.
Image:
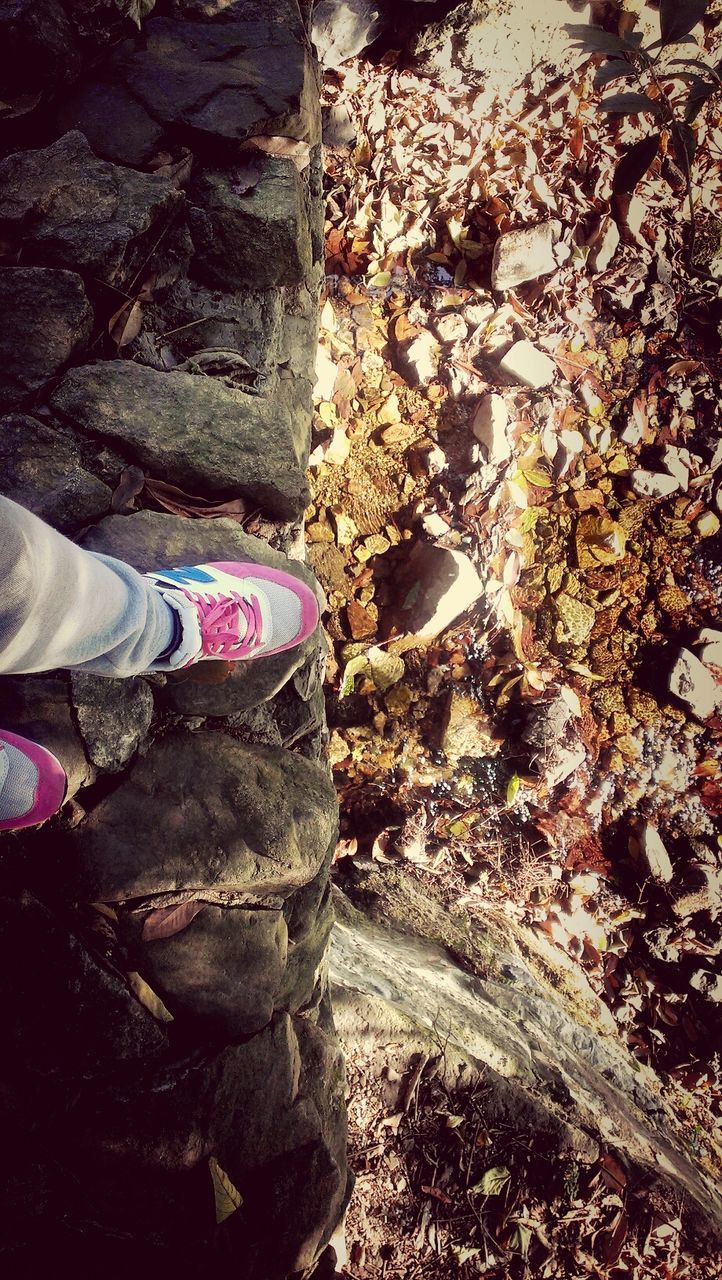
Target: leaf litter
593	578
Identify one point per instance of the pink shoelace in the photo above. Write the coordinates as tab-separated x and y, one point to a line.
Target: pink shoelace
223	618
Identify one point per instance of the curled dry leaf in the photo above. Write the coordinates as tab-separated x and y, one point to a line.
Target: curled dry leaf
173	499
165	921
147	996
288	148
227	1197
126	323
128	487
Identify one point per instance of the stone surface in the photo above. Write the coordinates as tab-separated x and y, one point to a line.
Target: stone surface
222	972
194	432
115	124
201	811
45	318
525	363
38	708
342	28
418	361
711	651
248	322
653	484
444	585
64	1010
522	255
223	80
465	730
113	717
691	681
407	968
39	51
251	229
489	425
654	853
40	468
66	208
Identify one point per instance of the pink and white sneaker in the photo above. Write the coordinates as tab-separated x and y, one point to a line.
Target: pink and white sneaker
32	782
234	611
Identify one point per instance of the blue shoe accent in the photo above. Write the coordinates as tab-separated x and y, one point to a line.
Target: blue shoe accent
188	573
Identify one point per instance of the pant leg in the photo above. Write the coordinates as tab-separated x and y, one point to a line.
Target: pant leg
62	606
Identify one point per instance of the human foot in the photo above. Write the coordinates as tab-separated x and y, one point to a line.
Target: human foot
32	782
234	611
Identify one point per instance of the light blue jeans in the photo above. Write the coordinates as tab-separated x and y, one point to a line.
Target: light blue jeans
61	606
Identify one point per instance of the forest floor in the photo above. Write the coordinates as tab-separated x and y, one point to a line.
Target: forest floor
538	757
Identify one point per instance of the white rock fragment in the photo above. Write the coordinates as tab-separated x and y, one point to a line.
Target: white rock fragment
708	984
325	375
434	525
606	243
651	848
653	484
445	584
490	424
711	651
691	681
677	462
522	255
573	441
565	762
419	362
527	364
451	327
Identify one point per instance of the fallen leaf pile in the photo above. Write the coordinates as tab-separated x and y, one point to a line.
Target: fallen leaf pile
558	751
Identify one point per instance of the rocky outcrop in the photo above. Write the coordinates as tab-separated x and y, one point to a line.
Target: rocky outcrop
172	1088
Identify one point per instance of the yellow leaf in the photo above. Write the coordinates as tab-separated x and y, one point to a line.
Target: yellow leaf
147	996
327	413
512	788
540	479
380	280
228	1198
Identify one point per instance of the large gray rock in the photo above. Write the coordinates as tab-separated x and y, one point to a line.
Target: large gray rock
222	972
40	468
116	125
226	80
66	208
251	225
201	811
45	318
309	916
65	1010
38	48
113	717
271	1112
194	432
246	321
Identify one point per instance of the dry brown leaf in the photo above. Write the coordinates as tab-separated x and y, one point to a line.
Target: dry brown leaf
173	499
166	921
147	997
287	148
227	1197
129	486
126	323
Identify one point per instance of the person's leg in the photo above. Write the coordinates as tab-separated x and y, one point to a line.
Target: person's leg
62	606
